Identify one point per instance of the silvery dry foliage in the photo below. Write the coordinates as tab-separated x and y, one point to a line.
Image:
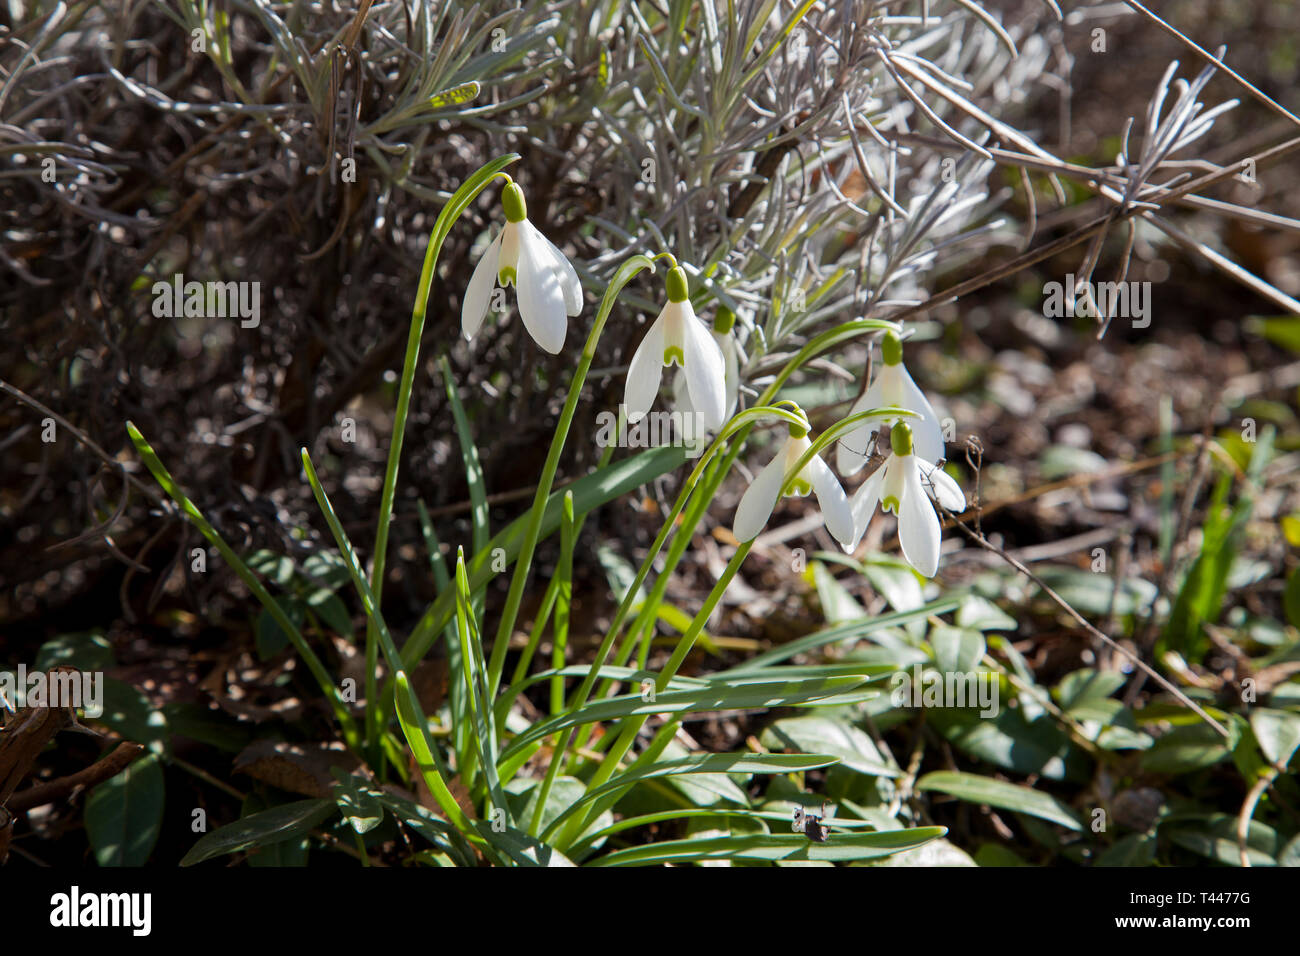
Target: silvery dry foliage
774	160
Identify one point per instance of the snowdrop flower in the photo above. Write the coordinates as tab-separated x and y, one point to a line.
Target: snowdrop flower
545	283
722	325
893	386
678	336
761	496
900	485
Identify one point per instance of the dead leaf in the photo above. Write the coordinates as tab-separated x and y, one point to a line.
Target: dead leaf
459	793
295	768
430	682
24	736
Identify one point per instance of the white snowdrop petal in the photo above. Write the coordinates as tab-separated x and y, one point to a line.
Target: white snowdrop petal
927	433
688	427
568	275
731	378
918	526
541	298
894	486
644	374
706	370
479	291
511	240
834	504
944	488
759	499
851	449
864	502
681	394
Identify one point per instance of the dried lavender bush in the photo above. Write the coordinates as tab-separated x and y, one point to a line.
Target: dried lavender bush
188	138
812	165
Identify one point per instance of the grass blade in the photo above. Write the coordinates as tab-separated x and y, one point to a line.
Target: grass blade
697	763
471	654
845	632
772	847
564	594
456	698
998	793
714	696
411	716
473	467
450	213
350	732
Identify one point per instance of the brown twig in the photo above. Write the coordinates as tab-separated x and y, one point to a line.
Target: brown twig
1206	54
108	766
1248	811
1087	625
1084	233
1143	636
84	438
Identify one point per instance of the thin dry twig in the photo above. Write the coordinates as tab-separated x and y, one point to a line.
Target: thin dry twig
1088	626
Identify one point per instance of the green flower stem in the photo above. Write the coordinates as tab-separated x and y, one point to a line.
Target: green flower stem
471	653
534	638
564	575
583	693
422	743
548	604
820	343
687	641
632	726
738	426
644	623
460	200
644	620
351	735
843	427
699	503
523	564
642	637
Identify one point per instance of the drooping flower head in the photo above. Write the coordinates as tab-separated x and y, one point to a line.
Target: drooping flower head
779	477
903	485
723	322
546	285
892	387
678	337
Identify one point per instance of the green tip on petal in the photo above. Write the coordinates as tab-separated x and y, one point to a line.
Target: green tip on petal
677	288
512	198
798	431
674	354
892	348
724	320
900	438
800	488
